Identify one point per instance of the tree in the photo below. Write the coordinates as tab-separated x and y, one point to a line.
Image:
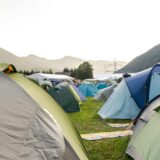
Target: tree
66	69
50	71
73	72
85	71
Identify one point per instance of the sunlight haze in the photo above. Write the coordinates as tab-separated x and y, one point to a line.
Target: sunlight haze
87	29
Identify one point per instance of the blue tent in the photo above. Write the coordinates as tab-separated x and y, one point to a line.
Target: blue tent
132	95
142	87
105	93
88	90
82	97
101	86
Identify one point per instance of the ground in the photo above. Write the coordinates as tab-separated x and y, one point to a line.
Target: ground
87	121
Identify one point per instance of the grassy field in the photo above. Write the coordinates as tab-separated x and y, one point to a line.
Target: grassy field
87	121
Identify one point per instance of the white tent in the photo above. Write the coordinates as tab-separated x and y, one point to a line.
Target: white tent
43	76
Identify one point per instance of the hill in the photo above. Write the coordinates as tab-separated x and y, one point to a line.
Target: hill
144	61
39	64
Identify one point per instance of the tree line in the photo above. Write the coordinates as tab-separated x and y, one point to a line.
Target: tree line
26	72
84	71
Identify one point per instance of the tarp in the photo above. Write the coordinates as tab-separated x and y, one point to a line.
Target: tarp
88	90
120	105
102	135
120	125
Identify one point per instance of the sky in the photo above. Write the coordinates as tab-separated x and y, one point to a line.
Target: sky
88	29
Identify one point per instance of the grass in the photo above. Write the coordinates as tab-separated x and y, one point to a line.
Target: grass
87	121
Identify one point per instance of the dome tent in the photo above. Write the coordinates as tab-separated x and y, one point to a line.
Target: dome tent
101	86
64	98
19	138
144	143
105	93
88	89
120	104
81	96
132	95
72	148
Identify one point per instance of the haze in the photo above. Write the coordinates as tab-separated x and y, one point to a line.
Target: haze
88	29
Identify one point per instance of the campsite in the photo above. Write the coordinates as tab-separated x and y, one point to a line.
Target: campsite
95	119
79	80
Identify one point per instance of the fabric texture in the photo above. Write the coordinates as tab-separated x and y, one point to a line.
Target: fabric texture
46	102
154	86
26	130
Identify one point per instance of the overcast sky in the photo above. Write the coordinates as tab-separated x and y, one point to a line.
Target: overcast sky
88	29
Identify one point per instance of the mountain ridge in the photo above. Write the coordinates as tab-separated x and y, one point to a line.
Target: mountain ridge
38	63
143	61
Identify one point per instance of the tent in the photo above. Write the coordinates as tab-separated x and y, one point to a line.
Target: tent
101	86
53	78
75	91
65	98
42	76
32	125
105	93
71	89
82	97
88	89
120	104
132	95
21	124
144	143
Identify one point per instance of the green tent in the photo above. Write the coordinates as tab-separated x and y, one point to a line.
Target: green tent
144	144
64	98
30	95
73	91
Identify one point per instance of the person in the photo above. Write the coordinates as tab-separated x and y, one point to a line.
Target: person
125	75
